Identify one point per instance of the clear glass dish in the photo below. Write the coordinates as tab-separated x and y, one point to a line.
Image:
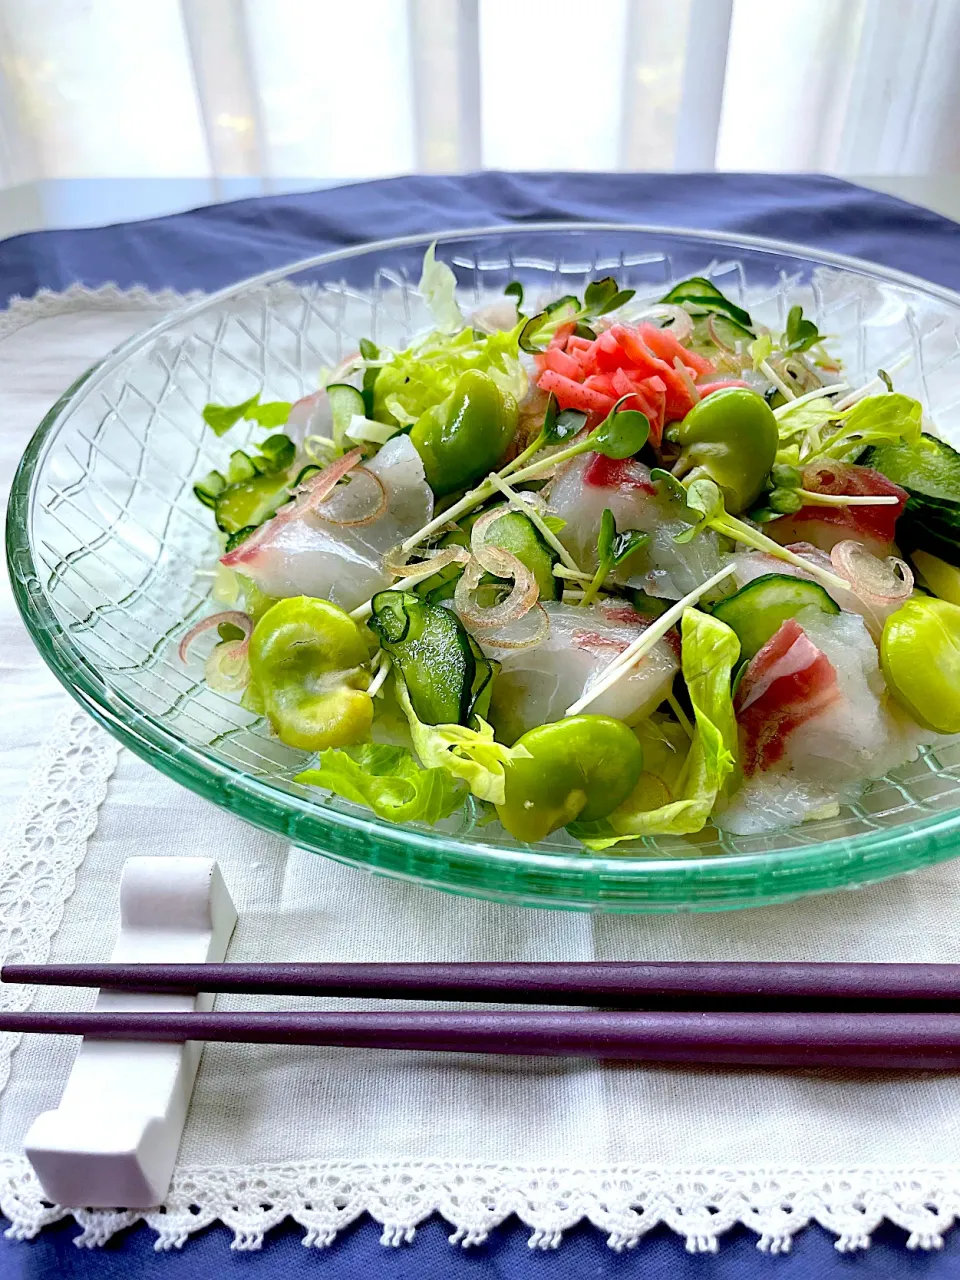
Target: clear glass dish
105	538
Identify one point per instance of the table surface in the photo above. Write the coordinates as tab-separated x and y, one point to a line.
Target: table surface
213	246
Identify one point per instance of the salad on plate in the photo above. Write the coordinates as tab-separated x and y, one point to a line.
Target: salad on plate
625	568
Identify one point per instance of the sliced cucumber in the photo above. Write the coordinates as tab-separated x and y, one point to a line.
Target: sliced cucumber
370	351
648	606
930	473
539	329
703	296
311	469
530	335
368	431
515	290
695	287
728	331
433	653
482	689
278	453
345	403
240	468
567	306
916	529
241	535
516	533
442	585
758	610
447	586
207	489
738	675
930	469
513	532
250	502
390	616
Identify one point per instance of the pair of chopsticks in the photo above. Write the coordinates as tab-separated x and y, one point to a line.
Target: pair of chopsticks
861	1016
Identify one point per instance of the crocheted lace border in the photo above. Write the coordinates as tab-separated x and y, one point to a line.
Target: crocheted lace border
625	1203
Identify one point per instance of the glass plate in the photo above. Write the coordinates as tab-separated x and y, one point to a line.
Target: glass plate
105	538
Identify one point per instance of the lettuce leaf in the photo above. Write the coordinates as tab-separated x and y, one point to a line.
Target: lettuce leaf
387	780
397	411
438	285
709	651
422	378
220	418
363	430
883	419
796	419
468	754
760	349
817	430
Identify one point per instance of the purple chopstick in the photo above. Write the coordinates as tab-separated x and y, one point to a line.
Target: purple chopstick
745	986
861	1041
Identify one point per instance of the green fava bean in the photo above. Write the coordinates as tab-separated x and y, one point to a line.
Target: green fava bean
306	661
464	438
581	767
731	437
920	660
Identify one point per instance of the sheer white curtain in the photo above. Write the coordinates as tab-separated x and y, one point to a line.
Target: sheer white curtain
341	89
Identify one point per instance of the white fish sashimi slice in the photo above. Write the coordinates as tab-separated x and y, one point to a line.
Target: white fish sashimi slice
309	556
831	757
310	416
866	735
581	506
669	571
662	567
780	798
496	313
537	684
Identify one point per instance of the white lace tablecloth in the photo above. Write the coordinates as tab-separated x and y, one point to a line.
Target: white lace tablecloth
324	1135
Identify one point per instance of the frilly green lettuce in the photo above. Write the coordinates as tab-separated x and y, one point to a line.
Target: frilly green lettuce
814	429
422	379
885	419
468	754
438	285
363	430
387	780
760	350
799	425
220	418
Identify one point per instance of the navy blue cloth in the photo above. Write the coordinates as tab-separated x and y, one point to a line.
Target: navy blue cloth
212	247
582	1256
219	245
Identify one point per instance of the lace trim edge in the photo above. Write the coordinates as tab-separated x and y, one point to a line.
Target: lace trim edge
625	1203
108	297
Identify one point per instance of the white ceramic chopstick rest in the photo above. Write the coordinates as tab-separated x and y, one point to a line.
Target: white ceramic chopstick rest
113	1140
